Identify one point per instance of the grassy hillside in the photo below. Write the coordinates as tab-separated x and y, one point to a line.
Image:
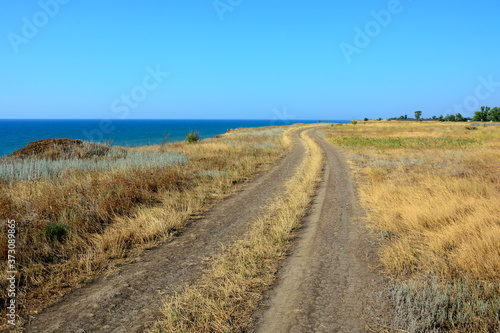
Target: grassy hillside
81	208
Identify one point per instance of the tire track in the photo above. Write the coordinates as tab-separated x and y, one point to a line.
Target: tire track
131	298
329	283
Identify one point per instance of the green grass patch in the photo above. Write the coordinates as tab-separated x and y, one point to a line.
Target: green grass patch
388	143
56	231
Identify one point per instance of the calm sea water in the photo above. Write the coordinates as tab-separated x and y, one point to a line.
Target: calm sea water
15	134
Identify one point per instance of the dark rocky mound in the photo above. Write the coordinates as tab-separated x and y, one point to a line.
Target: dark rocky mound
60	149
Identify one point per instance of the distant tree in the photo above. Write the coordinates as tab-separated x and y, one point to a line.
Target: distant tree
366	119
441	118
494	114
450	117
481	115
434	118
458	117
418	114
406	116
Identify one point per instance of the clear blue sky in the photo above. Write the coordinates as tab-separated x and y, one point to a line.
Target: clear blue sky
257	59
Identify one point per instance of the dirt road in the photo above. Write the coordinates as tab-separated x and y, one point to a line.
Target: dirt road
328	284
131	298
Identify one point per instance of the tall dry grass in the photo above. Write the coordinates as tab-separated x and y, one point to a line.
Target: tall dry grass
109	215
432	190
229	292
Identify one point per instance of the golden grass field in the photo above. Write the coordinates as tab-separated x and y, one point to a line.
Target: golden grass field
77	223
432	191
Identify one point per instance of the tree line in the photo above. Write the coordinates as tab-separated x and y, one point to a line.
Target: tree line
486	114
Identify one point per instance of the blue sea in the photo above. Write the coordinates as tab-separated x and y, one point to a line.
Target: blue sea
15	134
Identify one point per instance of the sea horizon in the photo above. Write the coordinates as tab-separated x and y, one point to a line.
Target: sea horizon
17	133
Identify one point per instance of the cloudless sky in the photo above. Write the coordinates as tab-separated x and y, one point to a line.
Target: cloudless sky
260	59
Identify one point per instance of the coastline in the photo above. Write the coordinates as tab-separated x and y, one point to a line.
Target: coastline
127	133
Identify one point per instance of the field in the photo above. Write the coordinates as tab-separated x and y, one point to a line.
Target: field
83	208
432	192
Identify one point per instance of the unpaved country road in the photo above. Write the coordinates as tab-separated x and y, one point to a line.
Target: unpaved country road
328	284
131	298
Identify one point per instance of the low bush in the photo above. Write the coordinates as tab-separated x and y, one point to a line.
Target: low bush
447	306
192	137
56	231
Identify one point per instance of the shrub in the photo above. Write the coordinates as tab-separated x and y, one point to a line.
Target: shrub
192	137
56	231
470	128
354	122
449	306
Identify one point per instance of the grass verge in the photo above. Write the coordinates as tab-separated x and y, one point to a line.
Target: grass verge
228	294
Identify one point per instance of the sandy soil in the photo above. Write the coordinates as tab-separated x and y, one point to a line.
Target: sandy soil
329	282
130	299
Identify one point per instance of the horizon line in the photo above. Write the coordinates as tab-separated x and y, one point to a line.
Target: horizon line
112	119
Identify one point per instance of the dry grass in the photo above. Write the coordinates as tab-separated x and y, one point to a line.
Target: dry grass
432	190
225	298
115	213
